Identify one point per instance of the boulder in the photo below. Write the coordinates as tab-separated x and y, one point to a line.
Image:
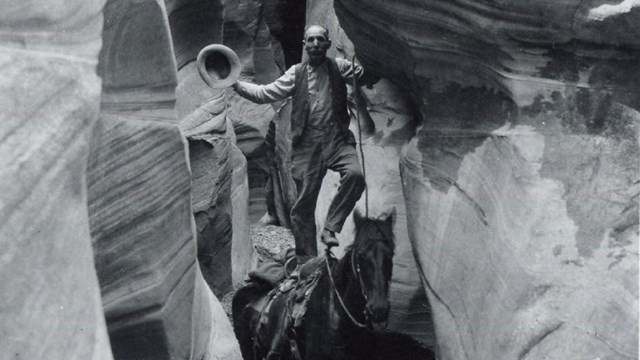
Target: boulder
50	94
521	182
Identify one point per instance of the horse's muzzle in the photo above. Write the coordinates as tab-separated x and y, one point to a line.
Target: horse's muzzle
378	316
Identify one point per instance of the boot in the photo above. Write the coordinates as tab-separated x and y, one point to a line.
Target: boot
328	238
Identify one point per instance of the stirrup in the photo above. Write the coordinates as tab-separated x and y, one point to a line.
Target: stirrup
295	273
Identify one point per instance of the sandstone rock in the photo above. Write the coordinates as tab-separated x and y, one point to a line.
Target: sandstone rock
247	30
220	195
141	225
194	24
155	300
520	182
243	255
213	340
210	165
49	294
286	21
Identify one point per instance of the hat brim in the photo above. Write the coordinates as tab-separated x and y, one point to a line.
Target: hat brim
218	82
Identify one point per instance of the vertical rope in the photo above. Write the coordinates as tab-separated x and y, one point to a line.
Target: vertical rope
364	171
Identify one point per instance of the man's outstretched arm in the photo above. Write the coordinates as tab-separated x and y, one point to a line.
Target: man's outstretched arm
280	89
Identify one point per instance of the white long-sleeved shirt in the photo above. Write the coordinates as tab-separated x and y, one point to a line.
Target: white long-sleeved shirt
320	109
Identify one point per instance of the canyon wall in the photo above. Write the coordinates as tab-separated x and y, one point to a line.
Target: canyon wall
50	305
521	183
252	29
156	302
98	234
220	190
515	203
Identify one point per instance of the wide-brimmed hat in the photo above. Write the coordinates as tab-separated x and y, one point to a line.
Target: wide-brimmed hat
218	65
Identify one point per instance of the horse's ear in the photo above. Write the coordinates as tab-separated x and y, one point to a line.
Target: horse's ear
358	218
390	220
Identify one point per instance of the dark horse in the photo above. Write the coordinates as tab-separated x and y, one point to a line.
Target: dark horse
343	311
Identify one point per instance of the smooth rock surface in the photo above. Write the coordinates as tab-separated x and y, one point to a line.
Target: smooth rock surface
141	225
219	171
210	163
155	300
521	184
248	31
243	255
50	304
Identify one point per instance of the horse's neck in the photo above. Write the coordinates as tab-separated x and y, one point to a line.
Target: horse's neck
347	284
342	272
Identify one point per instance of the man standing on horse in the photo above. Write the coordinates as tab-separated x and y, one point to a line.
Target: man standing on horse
321	138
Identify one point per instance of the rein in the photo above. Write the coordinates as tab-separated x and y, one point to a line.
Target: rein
335	289
355	268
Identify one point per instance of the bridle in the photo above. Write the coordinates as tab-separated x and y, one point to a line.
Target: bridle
355	265
356	271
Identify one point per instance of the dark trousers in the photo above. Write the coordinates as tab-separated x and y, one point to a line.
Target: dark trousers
312	157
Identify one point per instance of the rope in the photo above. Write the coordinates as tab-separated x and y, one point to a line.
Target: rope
335	289
366	206
364	171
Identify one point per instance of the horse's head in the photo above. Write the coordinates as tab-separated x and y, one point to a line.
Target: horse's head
372	255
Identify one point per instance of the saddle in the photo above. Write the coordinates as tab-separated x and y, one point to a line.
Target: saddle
282	310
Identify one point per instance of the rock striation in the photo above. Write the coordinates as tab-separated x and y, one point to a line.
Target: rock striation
219	170
156	302
49	294
249	29
521	183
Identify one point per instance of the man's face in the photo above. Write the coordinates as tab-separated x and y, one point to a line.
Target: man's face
316	43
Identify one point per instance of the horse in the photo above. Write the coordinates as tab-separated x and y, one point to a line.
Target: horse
348	305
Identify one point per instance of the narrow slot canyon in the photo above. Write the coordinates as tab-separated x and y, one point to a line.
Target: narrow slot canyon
147	208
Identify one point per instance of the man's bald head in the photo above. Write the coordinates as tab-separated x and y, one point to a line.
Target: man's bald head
316	43
316	30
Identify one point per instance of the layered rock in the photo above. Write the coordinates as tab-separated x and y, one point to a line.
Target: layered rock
521	182
49	294
248	30
220	196
247	33
156	302
214	163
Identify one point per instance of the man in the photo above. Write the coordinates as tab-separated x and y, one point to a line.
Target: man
320	136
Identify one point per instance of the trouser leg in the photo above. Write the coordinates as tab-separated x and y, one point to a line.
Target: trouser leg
345	161
308	170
